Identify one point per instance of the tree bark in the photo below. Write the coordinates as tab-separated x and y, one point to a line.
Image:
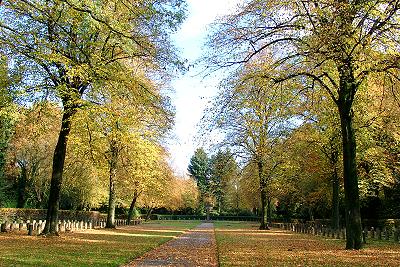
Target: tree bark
57	173
348	88
352	201
264	197
264	210
148	213
112	199
131	208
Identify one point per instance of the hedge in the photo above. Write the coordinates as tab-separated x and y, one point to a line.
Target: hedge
203	217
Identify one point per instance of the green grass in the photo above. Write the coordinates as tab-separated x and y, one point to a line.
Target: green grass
242	244
187	224
89	248
226	225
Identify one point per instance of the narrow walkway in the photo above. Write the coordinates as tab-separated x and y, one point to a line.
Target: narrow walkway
195	248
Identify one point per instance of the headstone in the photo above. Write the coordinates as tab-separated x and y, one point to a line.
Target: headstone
379	233
364	235
3	227
386	233
337	233
30	229
39	227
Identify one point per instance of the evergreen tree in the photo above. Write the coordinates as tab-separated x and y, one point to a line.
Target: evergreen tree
199	169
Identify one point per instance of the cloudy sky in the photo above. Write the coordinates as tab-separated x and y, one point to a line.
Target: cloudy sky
193	92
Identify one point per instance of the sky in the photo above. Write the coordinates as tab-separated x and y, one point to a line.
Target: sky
191	91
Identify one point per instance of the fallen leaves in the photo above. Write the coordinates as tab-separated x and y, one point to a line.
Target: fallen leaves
250	247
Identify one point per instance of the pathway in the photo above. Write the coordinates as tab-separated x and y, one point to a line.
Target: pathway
195	248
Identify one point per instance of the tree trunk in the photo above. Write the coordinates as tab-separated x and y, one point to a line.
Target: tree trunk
57	173
352	201
131	208
148	213
348	88
22	179
264	210
112	198
311	213
335	200
264	197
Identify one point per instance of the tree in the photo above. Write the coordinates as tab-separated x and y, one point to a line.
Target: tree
30	152
143	168
377	112
223	173
186	195
122	134
249	188
8	118
320	130
70	45
254	114
199	170
332	46
159	190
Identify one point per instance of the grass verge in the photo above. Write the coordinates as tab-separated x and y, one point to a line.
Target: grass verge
90	248
242	244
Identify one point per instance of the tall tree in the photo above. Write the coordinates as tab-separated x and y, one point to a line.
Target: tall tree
253	115
30	152
333	45
321	130
199	169
126	124
223	172
69	45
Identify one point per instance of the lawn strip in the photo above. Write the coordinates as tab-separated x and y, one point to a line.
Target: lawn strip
101	247
242	244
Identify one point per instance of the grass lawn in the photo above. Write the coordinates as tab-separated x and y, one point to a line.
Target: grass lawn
90	248
242	244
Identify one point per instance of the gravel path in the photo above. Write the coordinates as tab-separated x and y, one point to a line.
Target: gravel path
195	248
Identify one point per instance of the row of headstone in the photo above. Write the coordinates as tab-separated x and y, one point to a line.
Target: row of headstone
381	234
321	230
36	227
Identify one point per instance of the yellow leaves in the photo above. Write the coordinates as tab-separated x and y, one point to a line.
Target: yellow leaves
80	72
